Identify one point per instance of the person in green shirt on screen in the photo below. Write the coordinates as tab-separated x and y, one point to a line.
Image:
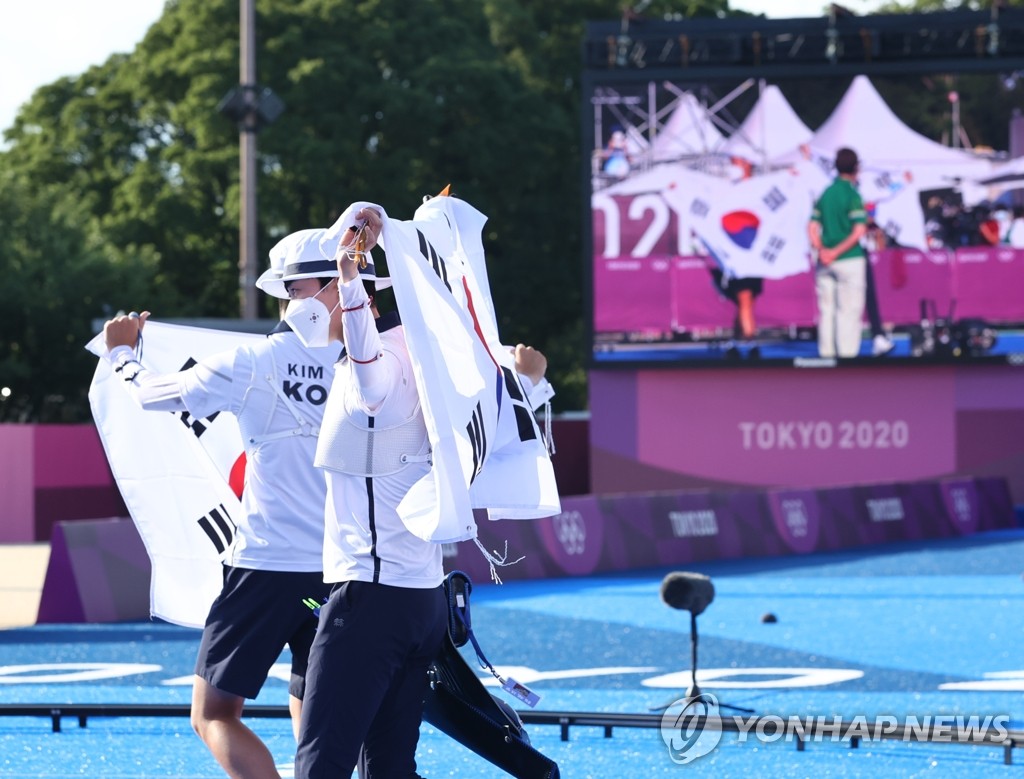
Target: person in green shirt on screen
838	224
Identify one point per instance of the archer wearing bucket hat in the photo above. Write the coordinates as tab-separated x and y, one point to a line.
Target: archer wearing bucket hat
276	390
303	271
301	256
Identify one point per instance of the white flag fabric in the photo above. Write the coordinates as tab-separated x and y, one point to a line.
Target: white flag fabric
754	228
174	472
487	448
893	199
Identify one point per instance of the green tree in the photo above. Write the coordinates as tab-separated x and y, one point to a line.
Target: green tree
57	279
387	100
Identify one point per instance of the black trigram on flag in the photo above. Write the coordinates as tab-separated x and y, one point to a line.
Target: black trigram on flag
774	199
478	440
197	426
431	256
219	528
773	248
525	420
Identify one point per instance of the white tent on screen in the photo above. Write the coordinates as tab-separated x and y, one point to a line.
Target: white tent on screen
896	162
771	129
688	132
864	122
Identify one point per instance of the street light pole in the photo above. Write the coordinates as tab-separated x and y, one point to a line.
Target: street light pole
251	107
248	247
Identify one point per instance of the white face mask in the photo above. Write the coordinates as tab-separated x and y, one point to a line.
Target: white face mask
310	320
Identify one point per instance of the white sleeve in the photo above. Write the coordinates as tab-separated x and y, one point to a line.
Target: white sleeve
372	366
151	391
538	394
198	390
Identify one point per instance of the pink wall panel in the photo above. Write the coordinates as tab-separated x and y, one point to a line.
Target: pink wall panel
818	428
17	487
805	428
69	456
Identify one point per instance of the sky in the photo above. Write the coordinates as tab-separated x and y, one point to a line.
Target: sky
43	40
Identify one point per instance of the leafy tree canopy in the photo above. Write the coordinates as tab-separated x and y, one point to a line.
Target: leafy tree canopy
119	188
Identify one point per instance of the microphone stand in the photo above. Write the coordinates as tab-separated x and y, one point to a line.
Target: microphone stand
693	693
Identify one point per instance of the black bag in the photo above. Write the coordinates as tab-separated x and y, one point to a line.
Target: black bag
459	705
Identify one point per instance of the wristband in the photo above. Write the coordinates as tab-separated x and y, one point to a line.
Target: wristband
364	304
365	362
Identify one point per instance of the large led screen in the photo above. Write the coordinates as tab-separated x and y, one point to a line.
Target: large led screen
700	198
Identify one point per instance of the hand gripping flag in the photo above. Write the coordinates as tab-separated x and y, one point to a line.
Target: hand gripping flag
487	449
180	477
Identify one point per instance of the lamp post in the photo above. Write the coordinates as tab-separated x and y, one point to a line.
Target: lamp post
251	107
247	225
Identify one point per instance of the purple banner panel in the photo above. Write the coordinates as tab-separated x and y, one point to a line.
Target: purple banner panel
604	533
98	572
796	516
988	283
885	513
697	303
903	277
634	295
663	293
787	302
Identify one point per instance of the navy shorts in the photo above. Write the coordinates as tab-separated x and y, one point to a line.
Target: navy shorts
255	616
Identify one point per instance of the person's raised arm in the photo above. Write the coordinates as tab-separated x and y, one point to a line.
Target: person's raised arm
363	344
151	391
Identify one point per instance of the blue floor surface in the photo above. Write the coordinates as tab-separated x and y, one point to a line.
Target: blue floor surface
908	630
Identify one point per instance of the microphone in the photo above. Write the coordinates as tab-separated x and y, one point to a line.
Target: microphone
691	592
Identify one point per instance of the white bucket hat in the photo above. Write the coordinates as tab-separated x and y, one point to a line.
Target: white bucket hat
298	256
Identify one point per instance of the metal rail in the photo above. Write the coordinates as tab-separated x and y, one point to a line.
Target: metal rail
801	732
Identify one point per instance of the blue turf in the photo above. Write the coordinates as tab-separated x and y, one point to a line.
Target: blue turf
909	618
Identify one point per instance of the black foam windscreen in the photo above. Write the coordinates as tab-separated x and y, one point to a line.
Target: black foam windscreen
688	591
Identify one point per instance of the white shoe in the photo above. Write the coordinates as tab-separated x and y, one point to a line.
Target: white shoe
881	345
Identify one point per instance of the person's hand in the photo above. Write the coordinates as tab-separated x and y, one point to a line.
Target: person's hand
364	238
124	330
826	256
530	362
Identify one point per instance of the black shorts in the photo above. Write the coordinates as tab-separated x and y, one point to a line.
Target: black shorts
734	286
255	616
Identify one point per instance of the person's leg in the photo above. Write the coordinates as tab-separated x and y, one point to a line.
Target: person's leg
371	653
390	748
871	301
825	287
389	751
881	343
217	720
300	642
295	712
745	313
849	306
350	670
256	614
